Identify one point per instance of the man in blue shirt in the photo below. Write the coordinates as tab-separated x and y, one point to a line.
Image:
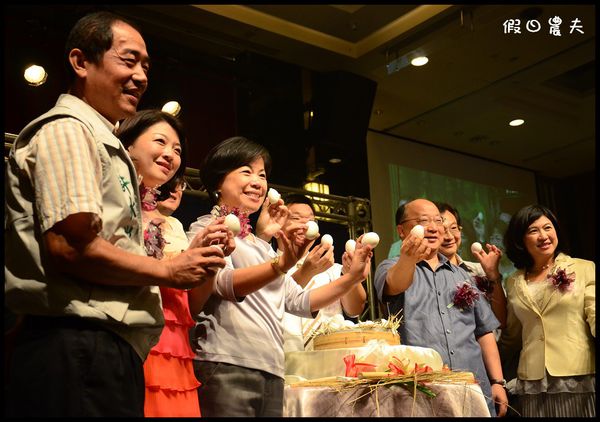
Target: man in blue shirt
422	284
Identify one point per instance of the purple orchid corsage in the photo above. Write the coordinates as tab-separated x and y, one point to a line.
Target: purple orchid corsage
465	296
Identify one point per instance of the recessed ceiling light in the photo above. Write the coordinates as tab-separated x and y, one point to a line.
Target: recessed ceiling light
419	61
35	75
172	107
335	160
516	122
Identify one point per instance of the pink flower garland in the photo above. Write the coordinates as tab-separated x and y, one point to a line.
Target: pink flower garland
149	196
154	242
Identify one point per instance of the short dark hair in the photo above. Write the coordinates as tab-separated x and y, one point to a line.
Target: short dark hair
517	227
297	198
131	128
170	186
93	35
228	155
402	210
444	206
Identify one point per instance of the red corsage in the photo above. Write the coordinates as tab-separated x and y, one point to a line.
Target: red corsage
465	296
562	281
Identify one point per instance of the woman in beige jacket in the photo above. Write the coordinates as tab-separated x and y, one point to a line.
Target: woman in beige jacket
551	315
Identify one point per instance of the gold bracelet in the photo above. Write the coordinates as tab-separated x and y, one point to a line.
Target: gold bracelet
275	264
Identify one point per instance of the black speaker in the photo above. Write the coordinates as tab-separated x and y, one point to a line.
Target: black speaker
342	104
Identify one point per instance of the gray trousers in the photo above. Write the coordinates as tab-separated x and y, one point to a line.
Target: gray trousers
231	390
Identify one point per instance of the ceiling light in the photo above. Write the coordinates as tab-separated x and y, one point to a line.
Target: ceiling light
335	160
419	61
172	107
516	122
35	75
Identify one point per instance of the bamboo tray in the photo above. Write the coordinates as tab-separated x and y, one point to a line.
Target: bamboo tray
346	339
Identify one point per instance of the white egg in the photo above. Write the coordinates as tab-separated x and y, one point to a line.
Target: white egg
273	196
350	245
371	238
418	231
233	223
476	247
327	239
312	230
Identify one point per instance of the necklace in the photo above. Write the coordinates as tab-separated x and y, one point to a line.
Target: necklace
538	272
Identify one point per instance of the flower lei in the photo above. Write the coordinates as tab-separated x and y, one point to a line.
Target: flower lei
562	281
154	242
223	210
465	296
485	285
149	196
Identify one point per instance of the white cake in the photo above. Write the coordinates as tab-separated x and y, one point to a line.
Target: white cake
328	363
373	343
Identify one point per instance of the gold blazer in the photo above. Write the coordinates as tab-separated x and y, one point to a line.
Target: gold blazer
558	334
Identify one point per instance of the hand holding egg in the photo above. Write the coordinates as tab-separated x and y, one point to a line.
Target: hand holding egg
273	196
312	230
350	245
371	239
476	247
418	231
327	240
233	223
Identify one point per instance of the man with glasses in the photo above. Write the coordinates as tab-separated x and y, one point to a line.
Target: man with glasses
421	285
485	273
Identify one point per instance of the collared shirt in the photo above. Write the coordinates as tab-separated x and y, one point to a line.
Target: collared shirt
429	322
247	331
68	161
297	330
473	268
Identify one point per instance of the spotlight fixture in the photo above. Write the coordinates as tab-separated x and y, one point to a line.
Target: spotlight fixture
395	62
516	122
419	61
172	107
35	75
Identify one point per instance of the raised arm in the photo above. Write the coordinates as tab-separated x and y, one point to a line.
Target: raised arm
400	276
75	248
354	301
359	270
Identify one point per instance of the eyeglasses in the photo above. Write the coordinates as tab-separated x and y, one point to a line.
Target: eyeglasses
453	229
426	221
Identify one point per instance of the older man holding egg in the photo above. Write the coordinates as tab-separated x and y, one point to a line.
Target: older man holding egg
429	292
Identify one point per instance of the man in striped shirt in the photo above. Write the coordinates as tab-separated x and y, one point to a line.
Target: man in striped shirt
76	272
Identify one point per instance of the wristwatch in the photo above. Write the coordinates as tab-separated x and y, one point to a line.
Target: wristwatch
502	382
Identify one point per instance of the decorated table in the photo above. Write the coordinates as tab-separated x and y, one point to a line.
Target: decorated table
389	400
378	380
360	371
